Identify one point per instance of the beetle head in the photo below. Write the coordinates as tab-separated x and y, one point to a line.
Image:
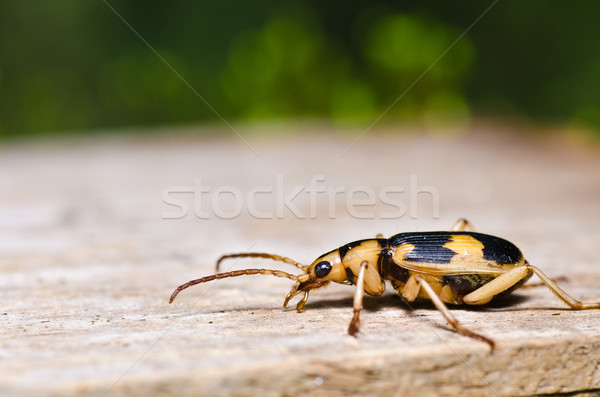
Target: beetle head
326	268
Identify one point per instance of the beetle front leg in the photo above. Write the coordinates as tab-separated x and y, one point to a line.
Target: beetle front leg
463	225
301	302
359	294
449	316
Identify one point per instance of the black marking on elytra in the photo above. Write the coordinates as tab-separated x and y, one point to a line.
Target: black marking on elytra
499	250
464	284
428	246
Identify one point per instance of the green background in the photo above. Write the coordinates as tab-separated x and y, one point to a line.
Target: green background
73	66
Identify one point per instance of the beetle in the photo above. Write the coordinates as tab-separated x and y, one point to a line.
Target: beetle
457	267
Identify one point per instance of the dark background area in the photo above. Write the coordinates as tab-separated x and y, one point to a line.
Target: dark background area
74	66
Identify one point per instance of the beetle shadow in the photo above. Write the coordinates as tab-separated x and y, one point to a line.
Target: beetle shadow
374	303
391	300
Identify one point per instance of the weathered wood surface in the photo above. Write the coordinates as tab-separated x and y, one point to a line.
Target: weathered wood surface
88	262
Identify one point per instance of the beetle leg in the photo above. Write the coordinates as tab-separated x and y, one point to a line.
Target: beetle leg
573	303
291	294
359	294
503	282
411	289
507	280
463	225
302	302
449	316
379	235
559	279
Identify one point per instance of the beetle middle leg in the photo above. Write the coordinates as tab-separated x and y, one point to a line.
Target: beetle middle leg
448	315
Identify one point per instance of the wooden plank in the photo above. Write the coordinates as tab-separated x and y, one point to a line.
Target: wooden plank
88	262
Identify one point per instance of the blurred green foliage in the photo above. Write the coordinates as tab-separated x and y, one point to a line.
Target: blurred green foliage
74	65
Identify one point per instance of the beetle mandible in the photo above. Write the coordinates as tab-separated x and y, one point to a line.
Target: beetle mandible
448	267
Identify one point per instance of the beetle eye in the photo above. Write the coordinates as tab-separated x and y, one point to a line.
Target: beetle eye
322	269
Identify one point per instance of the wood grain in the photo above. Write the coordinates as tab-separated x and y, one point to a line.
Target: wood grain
88	261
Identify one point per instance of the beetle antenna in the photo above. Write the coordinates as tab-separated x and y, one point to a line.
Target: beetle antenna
263	255
235	273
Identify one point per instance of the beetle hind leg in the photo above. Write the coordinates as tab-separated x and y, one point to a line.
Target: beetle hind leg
512	278
499	285
562	295
449	316
559	279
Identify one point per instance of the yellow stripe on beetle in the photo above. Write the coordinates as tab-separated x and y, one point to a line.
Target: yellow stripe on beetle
466	247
